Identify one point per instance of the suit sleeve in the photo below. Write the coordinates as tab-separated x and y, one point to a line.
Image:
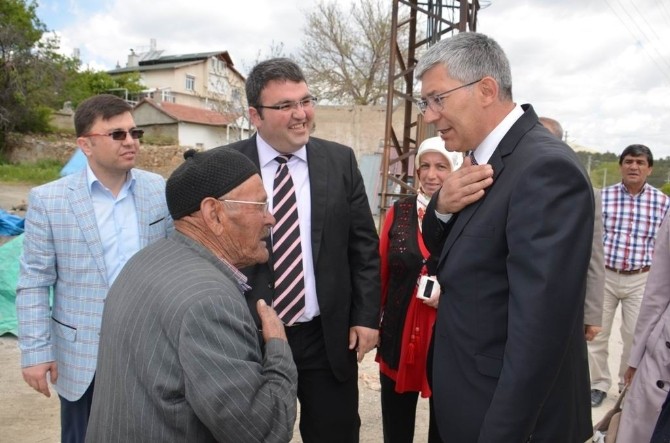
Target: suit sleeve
434	231
656	296
549	233
37	276
363	254
595	277
238	394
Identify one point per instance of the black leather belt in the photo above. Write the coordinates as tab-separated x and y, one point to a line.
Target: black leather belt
634	271
304	323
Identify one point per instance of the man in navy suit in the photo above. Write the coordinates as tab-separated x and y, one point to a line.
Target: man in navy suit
338	323
513	232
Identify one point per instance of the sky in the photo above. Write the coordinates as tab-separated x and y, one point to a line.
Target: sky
597	66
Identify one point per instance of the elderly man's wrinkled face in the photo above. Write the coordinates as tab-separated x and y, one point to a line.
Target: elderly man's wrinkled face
247	223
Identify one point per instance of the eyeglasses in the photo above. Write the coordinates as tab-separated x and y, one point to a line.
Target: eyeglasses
434	102
264	206
119	135
305	103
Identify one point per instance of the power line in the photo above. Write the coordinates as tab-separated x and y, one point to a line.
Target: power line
664	11
638	40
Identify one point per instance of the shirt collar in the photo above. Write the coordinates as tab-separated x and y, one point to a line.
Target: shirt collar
240	278
91	179
267	153
484	151
625	190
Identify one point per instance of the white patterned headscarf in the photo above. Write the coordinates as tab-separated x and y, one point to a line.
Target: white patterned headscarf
455	159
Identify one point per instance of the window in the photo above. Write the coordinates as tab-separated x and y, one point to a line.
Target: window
190	83
166	96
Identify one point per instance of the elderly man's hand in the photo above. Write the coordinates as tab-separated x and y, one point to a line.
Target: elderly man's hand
463	187
270	322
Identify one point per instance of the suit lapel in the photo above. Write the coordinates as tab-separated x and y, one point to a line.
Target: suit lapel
82	208
250	149
318	183
497	161
142	208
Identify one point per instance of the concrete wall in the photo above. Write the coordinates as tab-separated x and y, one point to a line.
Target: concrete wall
63	120
205	137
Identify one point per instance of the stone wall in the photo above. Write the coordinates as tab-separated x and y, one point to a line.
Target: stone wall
29	149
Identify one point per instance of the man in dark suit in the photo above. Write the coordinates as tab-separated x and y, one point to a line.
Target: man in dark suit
336	259
513	232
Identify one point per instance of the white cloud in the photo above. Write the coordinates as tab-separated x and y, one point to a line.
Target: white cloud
575	61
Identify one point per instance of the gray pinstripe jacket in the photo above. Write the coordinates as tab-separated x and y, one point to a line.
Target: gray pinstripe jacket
180	357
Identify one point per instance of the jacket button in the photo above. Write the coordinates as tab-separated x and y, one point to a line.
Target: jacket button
660	384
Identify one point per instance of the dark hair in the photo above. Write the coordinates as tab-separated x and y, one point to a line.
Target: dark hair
637	151
103	105
274	69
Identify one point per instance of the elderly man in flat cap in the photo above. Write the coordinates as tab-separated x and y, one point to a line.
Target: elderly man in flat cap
180	356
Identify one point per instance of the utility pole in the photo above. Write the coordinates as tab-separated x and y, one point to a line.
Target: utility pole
405	132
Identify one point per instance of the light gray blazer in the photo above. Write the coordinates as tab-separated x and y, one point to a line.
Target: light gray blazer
595	277
62	252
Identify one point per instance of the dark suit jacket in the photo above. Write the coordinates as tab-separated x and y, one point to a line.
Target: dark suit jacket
345	250
510	357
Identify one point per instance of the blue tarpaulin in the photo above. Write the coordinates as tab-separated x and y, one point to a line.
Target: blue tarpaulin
10	224
76	163
9	276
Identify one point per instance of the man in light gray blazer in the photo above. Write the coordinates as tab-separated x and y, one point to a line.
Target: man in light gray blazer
80	230
180	357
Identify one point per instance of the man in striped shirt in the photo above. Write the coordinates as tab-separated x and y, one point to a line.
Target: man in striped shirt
632	212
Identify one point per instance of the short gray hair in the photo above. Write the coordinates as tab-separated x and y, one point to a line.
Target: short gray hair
469	56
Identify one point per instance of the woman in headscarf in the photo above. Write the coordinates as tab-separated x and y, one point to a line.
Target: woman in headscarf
409	297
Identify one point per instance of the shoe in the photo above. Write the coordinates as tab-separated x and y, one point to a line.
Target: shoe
597	397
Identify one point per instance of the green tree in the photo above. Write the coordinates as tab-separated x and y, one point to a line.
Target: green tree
30	70
83	84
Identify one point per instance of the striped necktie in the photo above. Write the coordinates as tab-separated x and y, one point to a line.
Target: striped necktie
473	160
289	300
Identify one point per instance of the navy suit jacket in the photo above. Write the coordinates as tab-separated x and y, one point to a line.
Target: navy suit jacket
345	250
510	361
